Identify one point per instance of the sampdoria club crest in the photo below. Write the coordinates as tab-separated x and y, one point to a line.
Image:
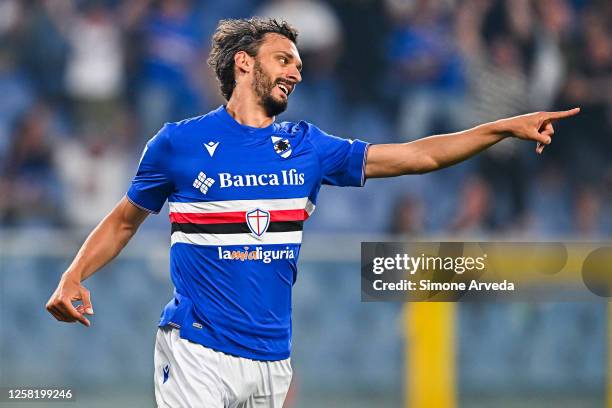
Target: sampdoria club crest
281	146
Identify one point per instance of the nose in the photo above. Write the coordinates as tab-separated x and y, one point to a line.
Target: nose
295	75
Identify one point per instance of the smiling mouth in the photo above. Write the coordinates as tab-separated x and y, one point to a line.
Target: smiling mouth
286	89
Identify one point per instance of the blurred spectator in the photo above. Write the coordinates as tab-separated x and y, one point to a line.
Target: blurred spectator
14	84
95	169
550	198
549	66
407	218
425	67
30	191
588	141
474	209
495	65
43	47
172	66
94	71
10	14
361	62
587	214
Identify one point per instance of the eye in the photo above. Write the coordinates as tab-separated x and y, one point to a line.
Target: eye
283	60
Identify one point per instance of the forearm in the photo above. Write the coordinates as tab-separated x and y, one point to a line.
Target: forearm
433	152
445	150
106	241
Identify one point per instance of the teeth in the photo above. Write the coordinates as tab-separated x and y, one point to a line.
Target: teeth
284	89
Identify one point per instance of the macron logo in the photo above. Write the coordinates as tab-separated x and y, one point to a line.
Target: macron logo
211	147
166	372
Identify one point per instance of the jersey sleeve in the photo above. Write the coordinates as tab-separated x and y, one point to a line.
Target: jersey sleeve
152	184
342	160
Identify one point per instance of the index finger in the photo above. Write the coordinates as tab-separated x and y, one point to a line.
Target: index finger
562	114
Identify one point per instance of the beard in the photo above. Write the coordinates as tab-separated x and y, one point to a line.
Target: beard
263	86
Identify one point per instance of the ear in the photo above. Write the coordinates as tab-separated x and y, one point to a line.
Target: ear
243	61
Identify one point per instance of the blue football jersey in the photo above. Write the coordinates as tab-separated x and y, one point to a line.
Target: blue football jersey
238	199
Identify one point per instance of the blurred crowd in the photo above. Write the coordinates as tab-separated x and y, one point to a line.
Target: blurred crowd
86	83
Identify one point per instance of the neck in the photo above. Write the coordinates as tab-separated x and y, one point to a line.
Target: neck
245	109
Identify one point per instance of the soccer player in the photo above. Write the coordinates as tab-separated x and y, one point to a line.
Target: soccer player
239	187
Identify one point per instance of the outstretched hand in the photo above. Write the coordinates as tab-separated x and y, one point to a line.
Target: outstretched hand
537	126
61	307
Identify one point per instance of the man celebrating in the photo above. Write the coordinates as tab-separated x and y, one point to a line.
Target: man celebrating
239	187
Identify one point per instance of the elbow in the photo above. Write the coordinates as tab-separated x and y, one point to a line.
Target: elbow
122	234
127	229
121	228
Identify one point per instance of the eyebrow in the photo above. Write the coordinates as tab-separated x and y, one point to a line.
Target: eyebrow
290	57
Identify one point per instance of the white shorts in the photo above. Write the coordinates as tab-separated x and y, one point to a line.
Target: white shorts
189	375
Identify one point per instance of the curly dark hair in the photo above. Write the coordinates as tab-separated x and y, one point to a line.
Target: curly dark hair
246	35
